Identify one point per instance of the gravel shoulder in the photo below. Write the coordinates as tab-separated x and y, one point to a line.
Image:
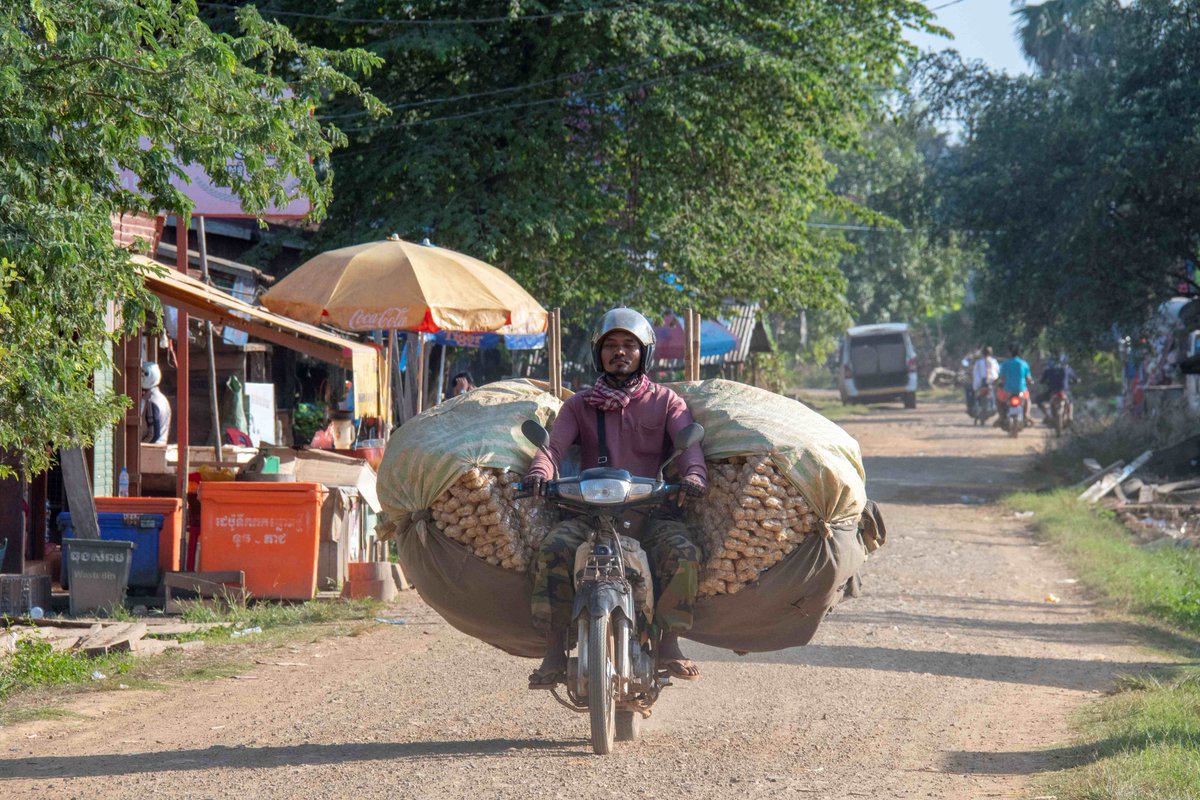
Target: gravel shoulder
951	677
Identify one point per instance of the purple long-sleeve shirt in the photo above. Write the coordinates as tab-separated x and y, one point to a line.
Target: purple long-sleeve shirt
639	436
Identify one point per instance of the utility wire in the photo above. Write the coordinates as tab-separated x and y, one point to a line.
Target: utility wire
548	101
584	73
460	21
946	5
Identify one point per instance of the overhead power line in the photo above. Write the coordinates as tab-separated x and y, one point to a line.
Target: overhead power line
547	101
458	21
567	76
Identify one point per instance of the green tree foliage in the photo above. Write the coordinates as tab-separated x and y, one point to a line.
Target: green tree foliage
588	146
900	265
1061	35
910	270
1082	184
91	88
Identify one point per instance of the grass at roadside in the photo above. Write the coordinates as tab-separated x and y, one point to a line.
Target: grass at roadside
829	406
1144	741
35	676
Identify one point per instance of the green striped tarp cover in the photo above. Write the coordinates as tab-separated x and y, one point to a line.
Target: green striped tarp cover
479	429
821	460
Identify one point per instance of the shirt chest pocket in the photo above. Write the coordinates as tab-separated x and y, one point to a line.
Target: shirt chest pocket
648	438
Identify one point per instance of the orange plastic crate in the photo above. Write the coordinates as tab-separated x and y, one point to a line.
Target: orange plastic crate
169	537
270	531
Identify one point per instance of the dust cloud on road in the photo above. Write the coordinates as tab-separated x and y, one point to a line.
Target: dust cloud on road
950	678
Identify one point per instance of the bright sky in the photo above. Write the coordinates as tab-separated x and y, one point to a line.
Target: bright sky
983	29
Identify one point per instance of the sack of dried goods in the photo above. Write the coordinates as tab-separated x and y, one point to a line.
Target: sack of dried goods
780	526
446	487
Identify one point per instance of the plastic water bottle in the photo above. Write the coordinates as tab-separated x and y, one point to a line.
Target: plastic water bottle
123	483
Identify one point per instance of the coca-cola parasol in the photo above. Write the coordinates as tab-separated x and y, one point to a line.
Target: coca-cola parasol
671	338
399	285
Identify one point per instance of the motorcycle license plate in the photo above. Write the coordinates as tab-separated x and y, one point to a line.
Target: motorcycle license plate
1014	411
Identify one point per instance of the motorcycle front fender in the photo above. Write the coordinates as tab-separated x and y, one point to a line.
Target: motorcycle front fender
601	600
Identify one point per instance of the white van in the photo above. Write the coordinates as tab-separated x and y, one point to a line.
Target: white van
878	363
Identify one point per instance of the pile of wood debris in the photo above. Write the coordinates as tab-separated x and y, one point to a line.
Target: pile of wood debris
95	637
1159	513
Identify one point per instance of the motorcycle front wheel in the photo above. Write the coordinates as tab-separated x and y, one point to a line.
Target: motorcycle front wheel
601	684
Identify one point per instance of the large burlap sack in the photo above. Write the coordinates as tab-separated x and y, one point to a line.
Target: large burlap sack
783	605
424	458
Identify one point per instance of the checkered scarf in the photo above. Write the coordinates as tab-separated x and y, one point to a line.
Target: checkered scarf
606	398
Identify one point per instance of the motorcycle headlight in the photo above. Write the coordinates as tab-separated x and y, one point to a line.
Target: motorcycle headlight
605	491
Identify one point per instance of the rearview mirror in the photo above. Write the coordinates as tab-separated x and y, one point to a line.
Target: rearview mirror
690	435
535	433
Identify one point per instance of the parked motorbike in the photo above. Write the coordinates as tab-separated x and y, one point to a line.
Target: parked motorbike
1062	412
614	677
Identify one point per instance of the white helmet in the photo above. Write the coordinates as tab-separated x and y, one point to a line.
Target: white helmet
151	375
630	321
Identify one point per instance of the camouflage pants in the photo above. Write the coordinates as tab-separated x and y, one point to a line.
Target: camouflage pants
674	559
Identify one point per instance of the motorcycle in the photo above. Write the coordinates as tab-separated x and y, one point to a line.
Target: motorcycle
984	407
1062	412
614	677
1013	419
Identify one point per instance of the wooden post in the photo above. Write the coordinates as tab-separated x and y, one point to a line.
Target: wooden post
202	246
420	374
554	352
687	344
182	387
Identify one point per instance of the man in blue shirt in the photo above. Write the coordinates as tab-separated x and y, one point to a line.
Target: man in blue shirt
1057	377
1016	375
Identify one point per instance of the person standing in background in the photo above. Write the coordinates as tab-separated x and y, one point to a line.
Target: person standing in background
156	409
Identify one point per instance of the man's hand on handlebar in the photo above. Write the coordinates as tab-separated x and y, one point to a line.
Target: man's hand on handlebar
691	486
534	485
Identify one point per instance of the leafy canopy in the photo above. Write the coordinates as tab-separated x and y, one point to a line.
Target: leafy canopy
590	147
89	88
1081	183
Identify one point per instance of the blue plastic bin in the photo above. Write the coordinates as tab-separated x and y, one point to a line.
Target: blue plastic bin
141	529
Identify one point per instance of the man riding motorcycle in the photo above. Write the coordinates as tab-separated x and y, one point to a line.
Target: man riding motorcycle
634	421
1015	376
984	373
1057	377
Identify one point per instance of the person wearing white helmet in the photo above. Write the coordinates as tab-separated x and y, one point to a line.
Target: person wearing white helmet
640	422
156	410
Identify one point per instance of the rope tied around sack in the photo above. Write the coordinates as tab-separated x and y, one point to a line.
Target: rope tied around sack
419	521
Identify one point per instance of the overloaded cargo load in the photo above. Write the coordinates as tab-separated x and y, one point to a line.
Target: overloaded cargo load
781	528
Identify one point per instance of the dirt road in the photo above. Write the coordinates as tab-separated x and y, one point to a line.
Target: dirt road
950	678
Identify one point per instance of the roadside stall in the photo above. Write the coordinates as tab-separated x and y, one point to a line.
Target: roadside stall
269	529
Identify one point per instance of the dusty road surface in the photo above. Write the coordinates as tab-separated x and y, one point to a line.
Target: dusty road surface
950	678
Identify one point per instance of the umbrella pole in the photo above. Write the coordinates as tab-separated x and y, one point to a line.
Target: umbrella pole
441	378
695	334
